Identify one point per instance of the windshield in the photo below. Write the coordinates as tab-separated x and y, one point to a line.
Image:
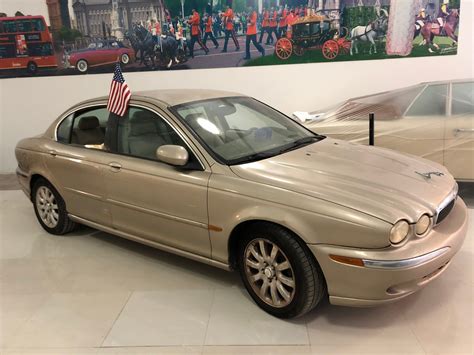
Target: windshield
240	129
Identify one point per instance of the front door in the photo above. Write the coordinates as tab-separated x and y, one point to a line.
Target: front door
459	134
150	199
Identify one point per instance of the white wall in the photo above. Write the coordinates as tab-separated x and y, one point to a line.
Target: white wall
28	105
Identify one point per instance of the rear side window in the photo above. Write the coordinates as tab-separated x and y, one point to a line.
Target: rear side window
85	128
89	128
463	98
431	102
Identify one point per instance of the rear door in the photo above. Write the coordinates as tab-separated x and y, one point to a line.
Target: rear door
421	131
459	133
78	160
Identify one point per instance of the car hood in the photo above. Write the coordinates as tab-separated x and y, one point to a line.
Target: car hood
376	181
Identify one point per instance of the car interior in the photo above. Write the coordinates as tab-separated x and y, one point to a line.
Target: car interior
88	132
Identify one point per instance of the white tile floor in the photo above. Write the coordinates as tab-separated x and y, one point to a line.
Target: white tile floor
93	293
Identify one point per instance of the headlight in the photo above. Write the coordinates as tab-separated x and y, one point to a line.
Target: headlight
399	232
423	224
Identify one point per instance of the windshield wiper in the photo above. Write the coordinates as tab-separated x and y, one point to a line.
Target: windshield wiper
299	143
263	155
252	157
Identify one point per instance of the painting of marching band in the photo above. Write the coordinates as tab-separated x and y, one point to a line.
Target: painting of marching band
90	36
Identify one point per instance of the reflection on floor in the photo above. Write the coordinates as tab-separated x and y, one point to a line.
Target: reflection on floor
90	292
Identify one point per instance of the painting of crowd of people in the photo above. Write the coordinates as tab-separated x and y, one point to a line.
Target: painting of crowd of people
90	36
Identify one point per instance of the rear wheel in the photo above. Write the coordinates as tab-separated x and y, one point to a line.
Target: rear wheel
50	208
125	58
299	51
82	66
280	274
32	68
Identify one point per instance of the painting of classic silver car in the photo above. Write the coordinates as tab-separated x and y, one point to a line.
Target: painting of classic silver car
432	120
224	179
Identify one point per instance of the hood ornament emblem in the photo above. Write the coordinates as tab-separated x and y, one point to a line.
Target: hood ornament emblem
428	174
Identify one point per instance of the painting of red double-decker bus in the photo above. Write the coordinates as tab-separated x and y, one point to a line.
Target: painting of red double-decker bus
26	44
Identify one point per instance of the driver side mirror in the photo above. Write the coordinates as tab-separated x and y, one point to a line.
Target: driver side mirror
175	155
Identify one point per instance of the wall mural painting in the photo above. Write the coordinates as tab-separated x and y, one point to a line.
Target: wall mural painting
90	36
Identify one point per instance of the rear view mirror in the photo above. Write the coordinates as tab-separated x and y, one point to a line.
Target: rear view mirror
172	154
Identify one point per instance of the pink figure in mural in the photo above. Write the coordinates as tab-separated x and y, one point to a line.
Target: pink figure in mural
401	26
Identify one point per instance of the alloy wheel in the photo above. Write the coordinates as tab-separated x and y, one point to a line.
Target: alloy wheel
47	207
269	273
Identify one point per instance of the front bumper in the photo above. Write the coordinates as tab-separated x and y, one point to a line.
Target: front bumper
393	273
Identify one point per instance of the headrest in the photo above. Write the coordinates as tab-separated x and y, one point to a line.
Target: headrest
141	123
88	122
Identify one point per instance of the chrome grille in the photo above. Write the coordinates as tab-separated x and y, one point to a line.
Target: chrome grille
446	206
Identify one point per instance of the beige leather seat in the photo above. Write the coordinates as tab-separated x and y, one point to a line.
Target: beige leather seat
144	137
88	132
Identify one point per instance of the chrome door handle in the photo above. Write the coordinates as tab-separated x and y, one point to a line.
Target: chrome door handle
115	167
460	130
52	153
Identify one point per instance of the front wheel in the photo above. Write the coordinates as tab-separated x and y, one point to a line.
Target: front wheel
283	48
82	66
50	208
279	272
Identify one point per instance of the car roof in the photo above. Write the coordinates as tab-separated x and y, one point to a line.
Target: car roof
175	97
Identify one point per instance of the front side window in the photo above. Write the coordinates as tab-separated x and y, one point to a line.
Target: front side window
240	129
431	102
463	98
9	26
141	132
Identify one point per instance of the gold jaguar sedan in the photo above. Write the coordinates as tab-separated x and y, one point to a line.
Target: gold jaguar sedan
229	181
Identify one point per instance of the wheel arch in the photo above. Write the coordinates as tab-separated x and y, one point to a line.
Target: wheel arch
237	232
34	178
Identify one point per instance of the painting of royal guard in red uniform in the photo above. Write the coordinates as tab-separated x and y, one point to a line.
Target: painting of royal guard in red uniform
208	31
265	24
251	35
228	22
272	28
195	22
283	23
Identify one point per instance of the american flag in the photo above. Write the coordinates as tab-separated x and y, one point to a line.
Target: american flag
120	94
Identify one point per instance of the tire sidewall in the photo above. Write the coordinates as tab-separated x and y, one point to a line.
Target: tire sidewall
63	218
123	56
301	290
78	64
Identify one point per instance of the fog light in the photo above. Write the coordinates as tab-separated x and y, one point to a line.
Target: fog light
399	232
423	224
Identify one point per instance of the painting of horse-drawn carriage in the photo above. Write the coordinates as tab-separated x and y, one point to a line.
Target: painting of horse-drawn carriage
312	32
150	35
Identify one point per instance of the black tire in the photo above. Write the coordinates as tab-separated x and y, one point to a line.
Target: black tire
64	224
310	285
32	68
